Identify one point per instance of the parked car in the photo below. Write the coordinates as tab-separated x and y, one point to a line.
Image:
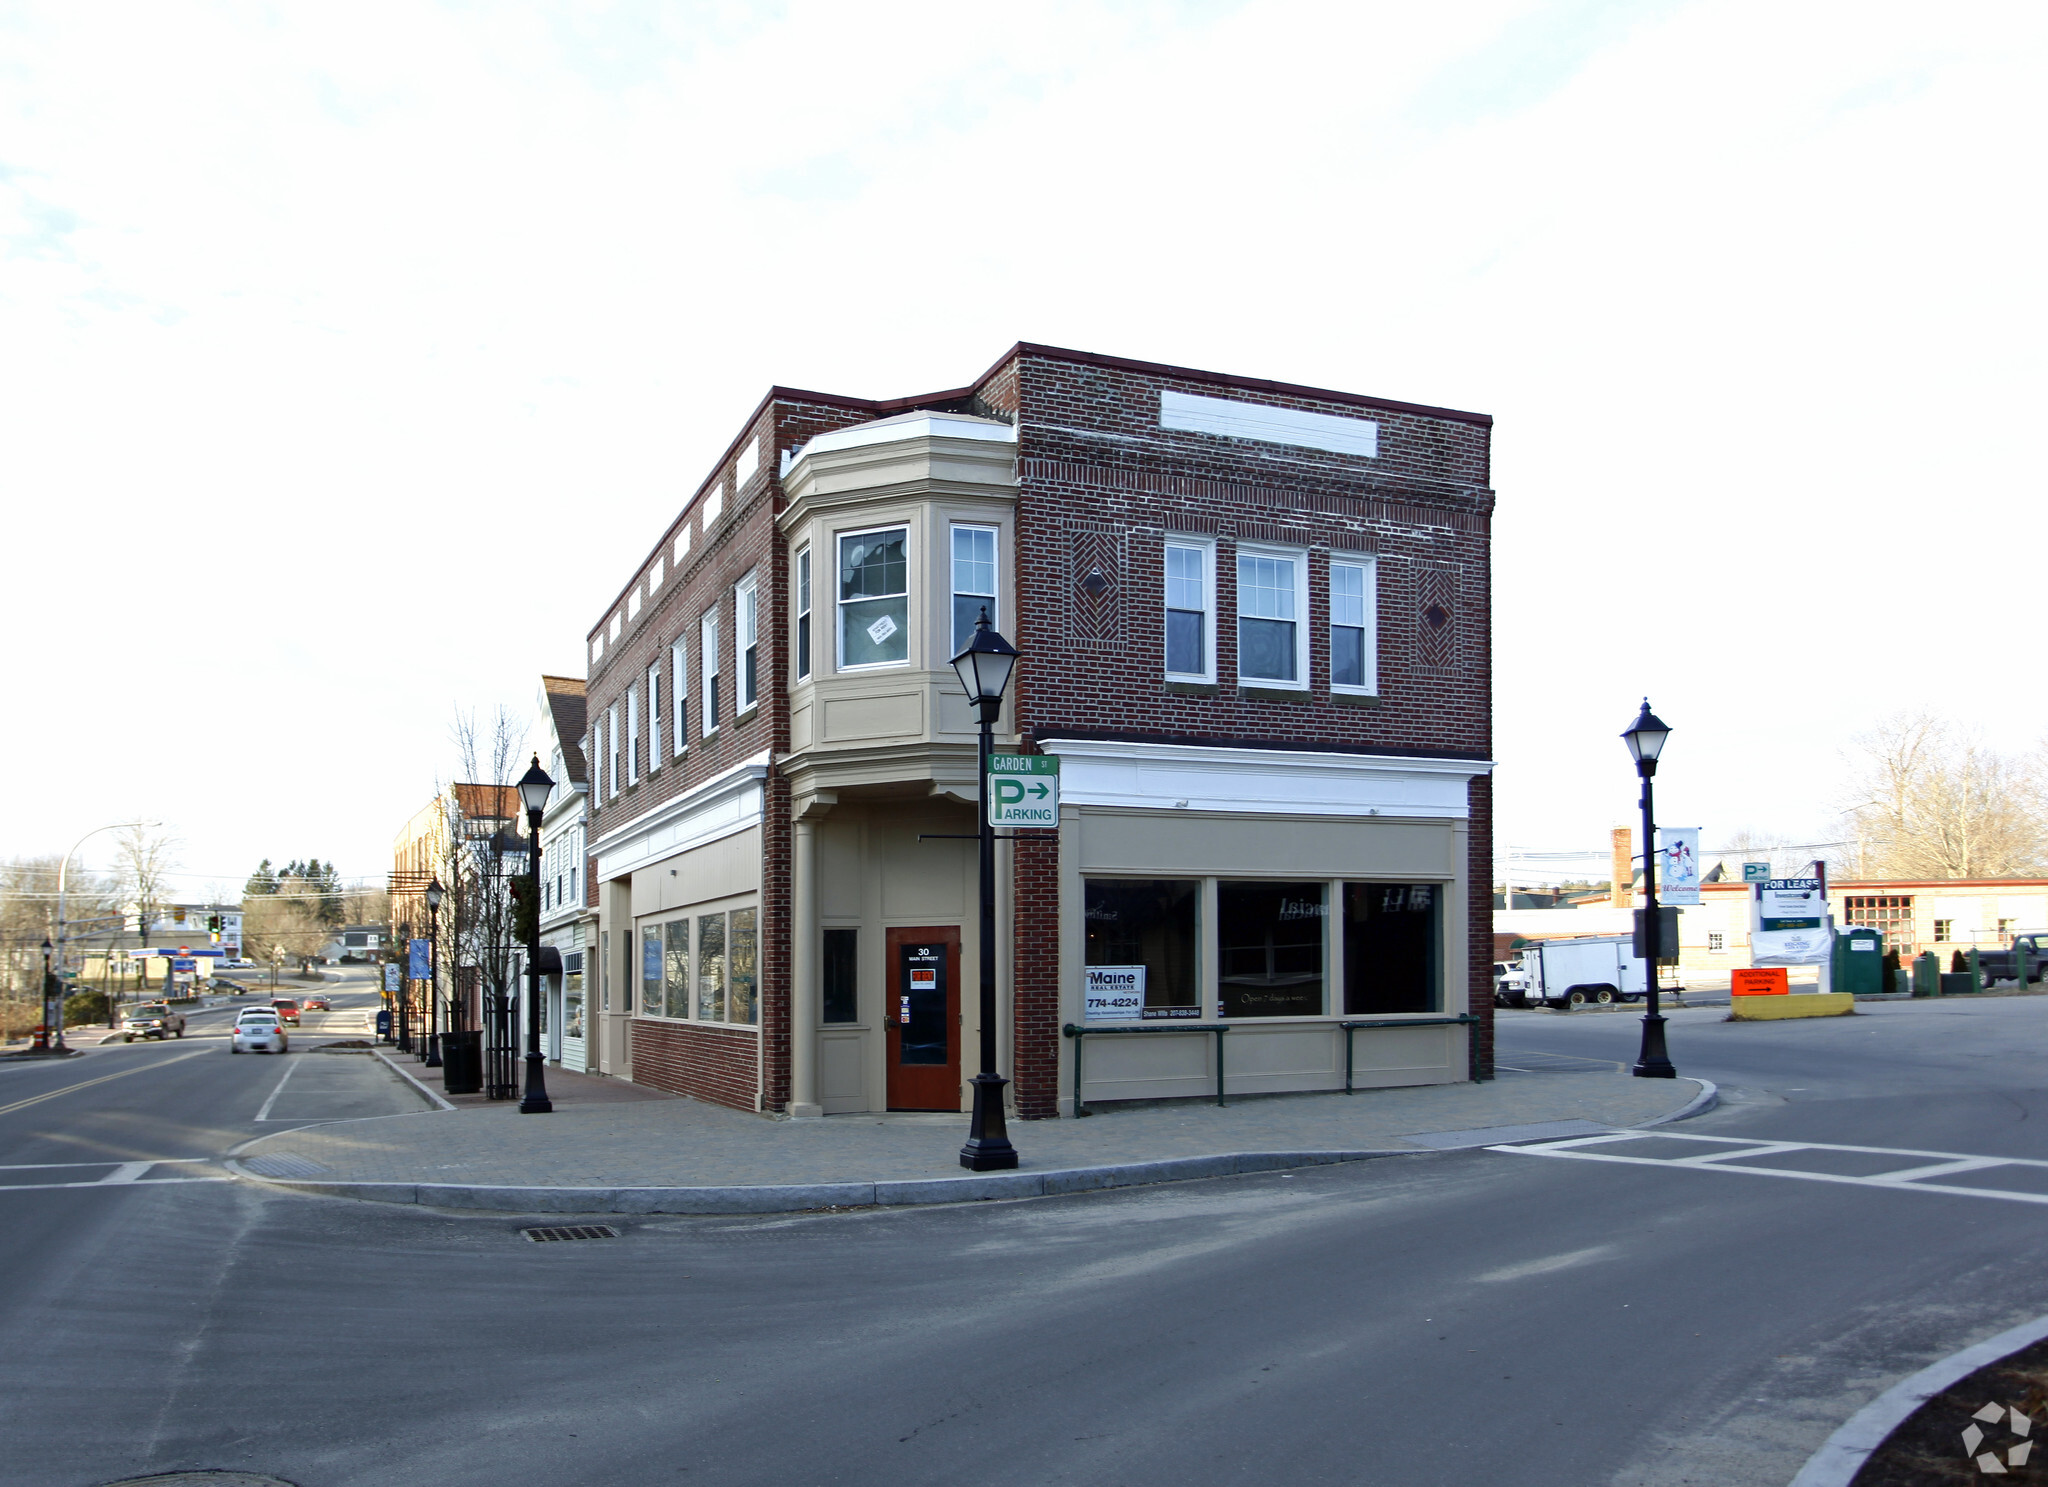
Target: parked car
287	1009
317	1003
1510	983
258	1030
152	1020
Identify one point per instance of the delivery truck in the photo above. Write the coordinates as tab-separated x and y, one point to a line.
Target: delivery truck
1571	973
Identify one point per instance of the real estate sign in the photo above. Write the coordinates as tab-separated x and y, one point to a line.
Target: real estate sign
1791	923
1113	993
1024	790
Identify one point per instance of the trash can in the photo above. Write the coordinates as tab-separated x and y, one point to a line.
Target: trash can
1926	974
1859	962
462	1063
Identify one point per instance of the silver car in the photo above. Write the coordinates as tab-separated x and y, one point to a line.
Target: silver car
257	1030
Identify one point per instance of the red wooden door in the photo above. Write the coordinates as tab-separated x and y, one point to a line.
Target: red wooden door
922	1016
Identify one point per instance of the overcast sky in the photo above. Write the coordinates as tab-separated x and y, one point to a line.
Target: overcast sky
354	355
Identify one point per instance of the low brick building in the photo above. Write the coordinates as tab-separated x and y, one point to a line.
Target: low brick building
1254	620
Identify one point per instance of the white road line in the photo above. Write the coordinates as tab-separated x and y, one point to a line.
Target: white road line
146	1182
1908	1175
264	1114
88	1083
57	1166
127	1172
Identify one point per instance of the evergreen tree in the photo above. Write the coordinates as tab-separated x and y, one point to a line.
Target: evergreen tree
262	883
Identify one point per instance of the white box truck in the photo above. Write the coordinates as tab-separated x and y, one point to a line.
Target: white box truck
1571	973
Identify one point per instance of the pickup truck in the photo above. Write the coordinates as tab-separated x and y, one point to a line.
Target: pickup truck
2029	944
151	1020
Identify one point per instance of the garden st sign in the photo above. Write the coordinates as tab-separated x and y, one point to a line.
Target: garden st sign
1024	790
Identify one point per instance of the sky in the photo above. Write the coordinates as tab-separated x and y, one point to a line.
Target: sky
352	356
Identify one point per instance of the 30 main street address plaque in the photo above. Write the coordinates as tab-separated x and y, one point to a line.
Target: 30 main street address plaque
1023	790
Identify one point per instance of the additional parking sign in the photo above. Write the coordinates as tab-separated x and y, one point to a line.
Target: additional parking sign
1023	790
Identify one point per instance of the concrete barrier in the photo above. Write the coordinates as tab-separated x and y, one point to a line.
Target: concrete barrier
1799	1004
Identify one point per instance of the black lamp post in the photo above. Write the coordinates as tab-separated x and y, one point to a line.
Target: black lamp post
403	934
1645	739
535	786
983	667
434	891
42	1043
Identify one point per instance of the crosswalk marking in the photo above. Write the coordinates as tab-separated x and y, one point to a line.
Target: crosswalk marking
119	1174
1913	1171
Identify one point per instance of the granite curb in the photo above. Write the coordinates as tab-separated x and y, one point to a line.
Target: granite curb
795	1197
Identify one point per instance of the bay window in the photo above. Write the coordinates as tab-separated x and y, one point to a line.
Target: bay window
874	598
803	614
974	582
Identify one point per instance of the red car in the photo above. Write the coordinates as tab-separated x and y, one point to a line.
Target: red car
318	1004
287	1010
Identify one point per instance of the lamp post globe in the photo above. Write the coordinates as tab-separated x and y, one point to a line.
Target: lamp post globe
1645	738
984	666
535	786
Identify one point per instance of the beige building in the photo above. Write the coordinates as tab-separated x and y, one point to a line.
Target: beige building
1942	915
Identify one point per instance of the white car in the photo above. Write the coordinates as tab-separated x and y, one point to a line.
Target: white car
258	1030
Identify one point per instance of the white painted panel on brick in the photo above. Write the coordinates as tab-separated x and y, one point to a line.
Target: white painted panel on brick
1191	777
1261	421
749	461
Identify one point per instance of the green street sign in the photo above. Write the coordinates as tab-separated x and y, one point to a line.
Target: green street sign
1024	790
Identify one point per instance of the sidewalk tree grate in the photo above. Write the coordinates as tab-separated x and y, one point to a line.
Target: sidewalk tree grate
571	1231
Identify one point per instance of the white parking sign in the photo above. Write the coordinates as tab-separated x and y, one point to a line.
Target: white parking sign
1023	790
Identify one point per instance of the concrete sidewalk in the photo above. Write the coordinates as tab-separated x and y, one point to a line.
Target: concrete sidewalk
605	1150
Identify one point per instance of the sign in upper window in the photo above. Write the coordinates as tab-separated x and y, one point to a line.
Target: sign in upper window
874	598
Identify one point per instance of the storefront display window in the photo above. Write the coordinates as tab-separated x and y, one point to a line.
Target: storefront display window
674	1000
743	1001
1140	949
650	967
1392	949
572	995
1270	939
711	967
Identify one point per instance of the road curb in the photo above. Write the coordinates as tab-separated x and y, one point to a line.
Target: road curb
790	1197
1842	1455
1708	1097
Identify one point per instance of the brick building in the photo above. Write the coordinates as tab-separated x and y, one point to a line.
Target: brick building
1255	626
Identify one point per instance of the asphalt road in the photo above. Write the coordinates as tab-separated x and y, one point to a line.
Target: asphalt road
1460	1317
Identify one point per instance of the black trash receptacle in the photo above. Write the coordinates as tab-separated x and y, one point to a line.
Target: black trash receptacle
462	1063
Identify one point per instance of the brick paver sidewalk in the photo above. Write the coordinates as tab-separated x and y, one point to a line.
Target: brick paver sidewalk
604	1135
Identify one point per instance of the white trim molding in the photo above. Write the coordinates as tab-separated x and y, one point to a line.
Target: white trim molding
722	806
1267	781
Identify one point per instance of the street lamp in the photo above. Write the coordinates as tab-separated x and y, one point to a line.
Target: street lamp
63	869
42	1042
535	787
1645	739
434	892
983	666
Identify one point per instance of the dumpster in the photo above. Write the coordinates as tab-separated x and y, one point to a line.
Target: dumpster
462	1062
1859	962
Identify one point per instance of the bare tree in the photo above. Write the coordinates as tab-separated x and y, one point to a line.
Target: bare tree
1928	800
274	925
478	913
144	858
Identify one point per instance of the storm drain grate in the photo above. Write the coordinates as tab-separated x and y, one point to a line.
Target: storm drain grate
571	1231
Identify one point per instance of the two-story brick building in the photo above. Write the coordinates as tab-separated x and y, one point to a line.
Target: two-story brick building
1254	620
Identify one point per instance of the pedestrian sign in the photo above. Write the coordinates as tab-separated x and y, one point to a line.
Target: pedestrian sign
1023	790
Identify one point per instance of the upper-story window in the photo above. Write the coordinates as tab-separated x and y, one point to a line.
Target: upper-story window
632	735
1190	616
746	643
679	689
1271	608
612	738
1352	648
707	653
654	717
714	503
974	581
803	613
874	598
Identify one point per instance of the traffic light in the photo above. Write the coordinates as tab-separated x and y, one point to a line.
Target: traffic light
213	923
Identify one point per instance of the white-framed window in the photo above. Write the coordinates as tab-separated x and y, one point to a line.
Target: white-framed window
679	690
612	739
1272	617
746	641
633	735
654	717
803	613
1190	569
711	975
1354	606
874	598
974	581
707	653
1716	940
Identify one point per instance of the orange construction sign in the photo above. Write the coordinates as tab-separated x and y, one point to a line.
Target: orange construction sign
1770	981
